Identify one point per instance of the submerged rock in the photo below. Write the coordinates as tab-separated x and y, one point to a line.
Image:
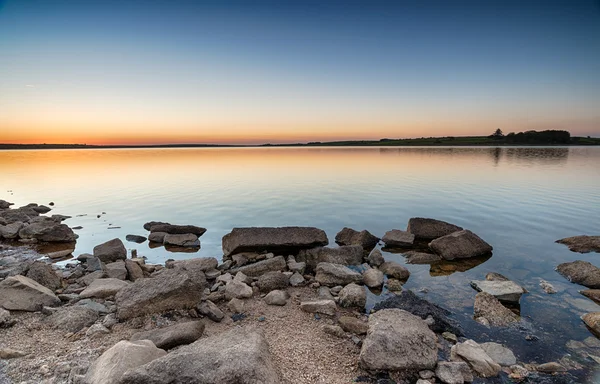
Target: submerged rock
460	245
172	336
182	240
135	238
373	278
507	291
581	272
489	308
499	353
413	257
428	229
394	270
173	229
364	238
582	244
289	239
474	355
398	238
20	293
336	274
345	255
453	372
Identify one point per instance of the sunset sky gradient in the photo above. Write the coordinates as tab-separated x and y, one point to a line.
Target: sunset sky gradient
246	72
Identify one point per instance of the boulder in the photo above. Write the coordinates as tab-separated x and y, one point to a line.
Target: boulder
282	239
398	238
209	309
172	336
398	340
111	250
394	270
336	274
276	263
353	295
506	291
353	325
277	297
499	353
11	231
150	224
171	289
460	245
103	288
48	231
582	244
173	229
364	239
373	278
326	307
238	356
488	307
345	255
474	355
428	229
135	238
134	271
182	240
272	280
44	274
10	216
453	372
20	293
157	237
414	257
592	320
238	290
72	319
116	270
375	258
121	358
581	272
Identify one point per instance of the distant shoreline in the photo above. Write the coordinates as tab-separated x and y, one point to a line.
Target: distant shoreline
461	141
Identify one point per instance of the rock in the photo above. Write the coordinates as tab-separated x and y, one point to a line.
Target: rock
297	280
288	239
241	277
111	250
116	270
6	321
59	254
500	354
20	293
277	297
172	229
430	229
460	245
121	358
345	255
394	270
550	367
593	294
48	231
135	238
11	231
488	307
9	353
72	319
336	274
506	291
150	224
582	244
209	309
236	305
103	288
198	264
110	320
454	372
238	356
94	264
96	330
171	289
549	288
581	272
157	237
325	293
237	289
373	278
398	340
474	355
398	238
44	274
5	204
90	277
184	240
592	320
451	337
353	295
375	258
295	266
272	280
256	269
364	239
93	305
134	271
353	325
41	209
10	216
413	257
334	330
410	302
172	336
326	307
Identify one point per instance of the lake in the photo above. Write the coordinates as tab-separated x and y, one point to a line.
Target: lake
518	199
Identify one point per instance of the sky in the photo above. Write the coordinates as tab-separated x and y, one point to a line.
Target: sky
248	72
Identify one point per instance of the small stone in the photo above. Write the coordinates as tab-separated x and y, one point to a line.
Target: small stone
326	307
451	337
261	319
353	325
236	305
334	330
276	297
209	309
96	330
296	280
375	258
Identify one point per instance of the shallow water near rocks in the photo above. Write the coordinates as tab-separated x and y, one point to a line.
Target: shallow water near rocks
520	200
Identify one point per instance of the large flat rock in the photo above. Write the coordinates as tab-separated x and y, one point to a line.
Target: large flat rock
174	229
173	336
345	255
20	293
103	288
274	264
273	239
582	244
507	291
426	229
460	245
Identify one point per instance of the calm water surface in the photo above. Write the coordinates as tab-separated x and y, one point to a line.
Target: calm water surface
520	200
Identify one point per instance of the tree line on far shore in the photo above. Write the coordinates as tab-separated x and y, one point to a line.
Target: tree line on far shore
533	137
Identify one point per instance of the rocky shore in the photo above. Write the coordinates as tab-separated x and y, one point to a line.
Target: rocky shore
279	306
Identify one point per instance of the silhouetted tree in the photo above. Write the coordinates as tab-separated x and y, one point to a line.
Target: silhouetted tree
497	134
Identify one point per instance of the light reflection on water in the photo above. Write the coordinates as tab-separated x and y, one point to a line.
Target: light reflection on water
520	200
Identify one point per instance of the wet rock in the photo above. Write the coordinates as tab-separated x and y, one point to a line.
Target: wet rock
157	237
173	229
336	274
345	255
121	358
353	295
581	272
72	319
209	309
297	280
500	354
59	254
428	229
20	293
398	238
135	238
549	288
410	302
550	367
171	289
494	276
183	240
349	236
172	336
237	289
373	278
334	330
507	291
474	355
277	297
353	325
110	251
398	340
393	285
134	271
326	307
277	263
460	245
375	258
242	354
103	288
116	270
488	307
592	320
44	274
582	244
288	239
454	372
272	280
413	257
394	270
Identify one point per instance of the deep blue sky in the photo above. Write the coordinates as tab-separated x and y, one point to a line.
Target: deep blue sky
247	71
